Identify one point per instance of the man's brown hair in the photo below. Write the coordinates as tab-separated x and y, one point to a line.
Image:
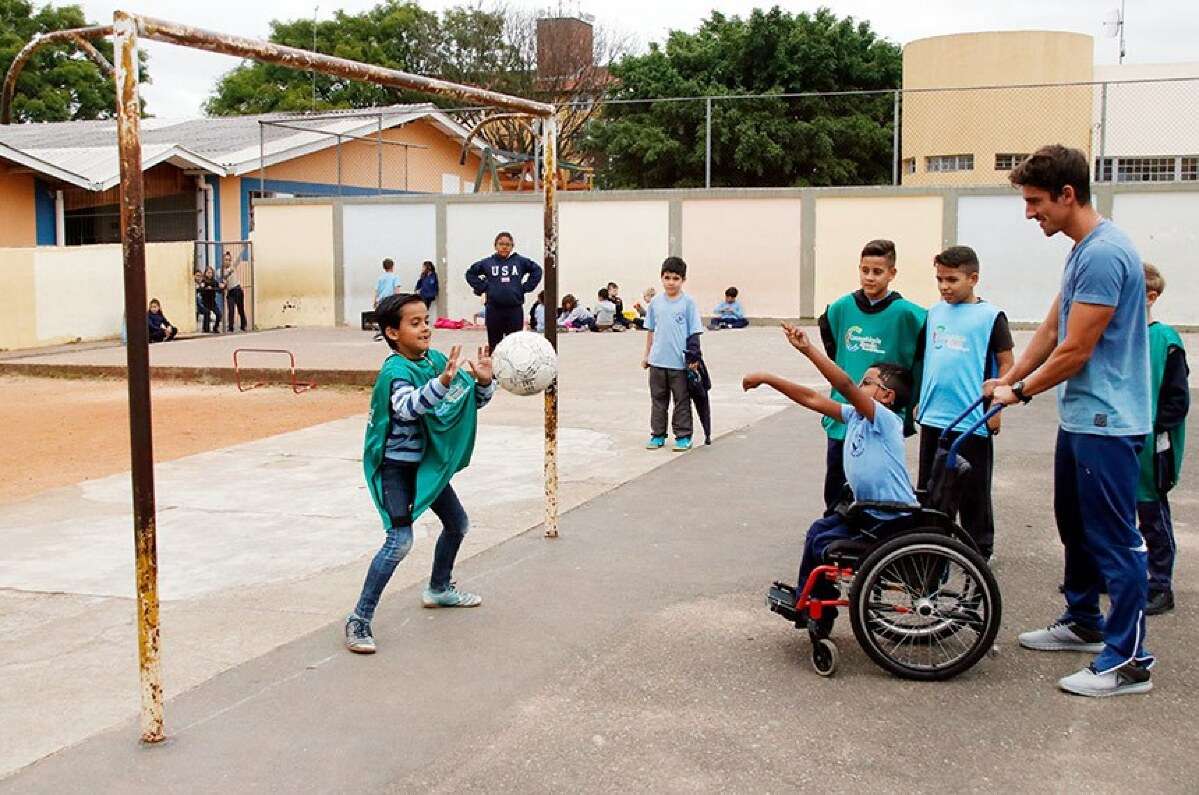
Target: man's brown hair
1054	167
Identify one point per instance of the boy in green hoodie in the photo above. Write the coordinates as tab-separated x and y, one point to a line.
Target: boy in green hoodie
420	432
1161	457
859	330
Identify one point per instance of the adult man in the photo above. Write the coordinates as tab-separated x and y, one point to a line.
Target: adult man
1094	343
504	278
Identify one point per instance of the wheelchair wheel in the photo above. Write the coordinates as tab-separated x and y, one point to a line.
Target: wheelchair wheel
825	657
925	606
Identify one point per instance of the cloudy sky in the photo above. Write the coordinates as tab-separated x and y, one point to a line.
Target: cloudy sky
1157	31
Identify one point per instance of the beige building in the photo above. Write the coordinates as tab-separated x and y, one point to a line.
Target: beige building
976	136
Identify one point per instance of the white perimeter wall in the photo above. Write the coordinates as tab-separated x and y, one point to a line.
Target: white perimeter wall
621	241
371	232
470	237
1167	234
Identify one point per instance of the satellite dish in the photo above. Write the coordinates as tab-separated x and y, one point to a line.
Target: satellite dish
1111	23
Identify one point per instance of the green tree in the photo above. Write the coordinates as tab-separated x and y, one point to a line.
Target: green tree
59	83
493	47
800	141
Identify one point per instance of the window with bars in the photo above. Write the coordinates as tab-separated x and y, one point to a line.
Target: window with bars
909	165
1147	169
941	163
1007	161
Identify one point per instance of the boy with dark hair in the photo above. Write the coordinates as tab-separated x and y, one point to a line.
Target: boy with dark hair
671	348
873	455
1161	457
421	431
388	283
504	277
967	341
867	326
618	318
605	313
729	313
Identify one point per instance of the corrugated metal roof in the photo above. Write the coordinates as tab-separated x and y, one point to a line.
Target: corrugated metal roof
221	144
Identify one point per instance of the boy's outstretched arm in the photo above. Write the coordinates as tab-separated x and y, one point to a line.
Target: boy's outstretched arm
804	396
837	378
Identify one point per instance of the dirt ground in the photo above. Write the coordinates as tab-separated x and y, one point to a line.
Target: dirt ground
59	431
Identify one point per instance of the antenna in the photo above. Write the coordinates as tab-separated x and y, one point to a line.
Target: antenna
1113	26
315	9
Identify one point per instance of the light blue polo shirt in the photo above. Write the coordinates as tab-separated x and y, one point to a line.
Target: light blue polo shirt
1110	395
873	458
386	285
672	323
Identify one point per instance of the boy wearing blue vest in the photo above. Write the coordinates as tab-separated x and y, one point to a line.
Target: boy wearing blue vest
967	341
1161	457
420	432
859	330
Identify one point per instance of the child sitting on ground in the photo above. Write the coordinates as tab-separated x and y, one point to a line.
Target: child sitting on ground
641	308
161	329
605	314
618	319
873	454
537	314
571	316
728	314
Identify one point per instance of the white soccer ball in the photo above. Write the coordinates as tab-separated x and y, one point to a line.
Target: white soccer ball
524	363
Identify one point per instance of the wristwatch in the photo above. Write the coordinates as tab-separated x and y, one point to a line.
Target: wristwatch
1018	391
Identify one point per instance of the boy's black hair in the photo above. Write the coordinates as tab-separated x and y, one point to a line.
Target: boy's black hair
504	234
898	379
613	284
1054	167
674	265
388	264
603	294
880	248
731	293
961	258
391	309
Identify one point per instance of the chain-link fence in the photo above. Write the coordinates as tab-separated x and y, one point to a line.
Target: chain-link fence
1132	131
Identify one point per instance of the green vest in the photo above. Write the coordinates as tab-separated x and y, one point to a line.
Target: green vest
1162	339
449	429
864	339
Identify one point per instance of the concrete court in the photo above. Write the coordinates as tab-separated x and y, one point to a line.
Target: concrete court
263	542
635	655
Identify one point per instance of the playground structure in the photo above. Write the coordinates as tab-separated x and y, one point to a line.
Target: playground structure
125	30
296	386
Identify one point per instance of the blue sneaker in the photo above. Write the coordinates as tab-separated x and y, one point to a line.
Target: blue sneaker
682	445
450	597
655	443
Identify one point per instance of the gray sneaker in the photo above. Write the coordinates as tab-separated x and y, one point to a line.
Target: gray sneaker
1063	636
1125	680
358	635
450	597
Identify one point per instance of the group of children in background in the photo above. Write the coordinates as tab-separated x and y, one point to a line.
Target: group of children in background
609	313
928	367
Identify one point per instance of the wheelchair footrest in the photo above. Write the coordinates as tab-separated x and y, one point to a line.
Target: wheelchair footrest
781	599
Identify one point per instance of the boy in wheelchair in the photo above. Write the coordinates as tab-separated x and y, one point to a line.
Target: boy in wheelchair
875	466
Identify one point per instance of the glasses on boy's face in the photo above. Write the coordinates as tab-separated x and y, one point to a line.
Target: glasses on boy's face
868	381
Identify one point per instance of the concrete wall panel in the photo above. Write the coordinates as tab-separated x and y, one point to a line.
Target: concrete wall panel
470	236
1163	227
18	313
844	225
293	265
752	244
619	241
371	232
18	218
1021	270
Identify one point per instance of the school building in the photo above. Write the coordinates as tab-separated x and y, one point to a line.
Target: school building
59	182
975	104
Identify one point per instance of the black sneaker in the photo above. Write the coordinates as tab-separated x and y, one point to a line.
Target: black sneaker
1159	602
358	635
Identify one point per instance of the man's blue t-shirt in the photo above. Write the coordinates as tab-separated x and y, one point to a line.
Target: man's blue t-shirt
672	323
1110	395
874	461
386	286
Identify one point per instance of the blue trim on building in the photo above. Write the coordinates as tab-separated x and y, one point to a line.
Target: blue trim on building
215	182
43	209
298	189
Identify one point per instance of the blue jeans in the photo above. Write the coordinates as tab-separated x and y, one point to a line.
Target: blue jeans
1094	502
821	534
399	490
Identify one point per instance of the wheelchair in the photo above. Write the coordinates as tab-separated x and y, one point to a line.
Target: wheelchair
922	601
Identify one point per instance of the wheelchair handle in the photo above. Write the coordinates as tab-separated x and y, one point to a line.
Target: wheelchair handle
952	457
977	402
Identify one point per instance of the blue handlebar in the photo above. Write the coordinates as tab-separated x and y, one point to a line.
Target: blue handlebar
951	459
